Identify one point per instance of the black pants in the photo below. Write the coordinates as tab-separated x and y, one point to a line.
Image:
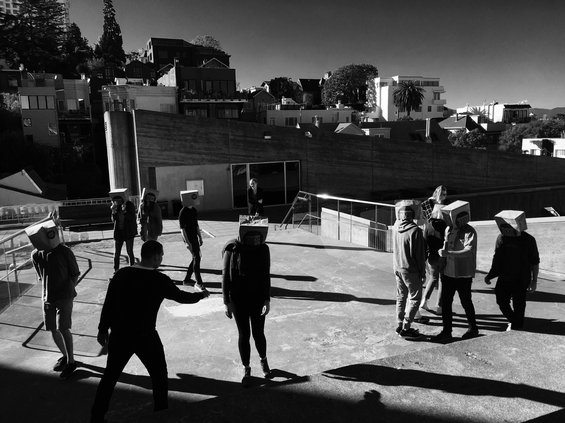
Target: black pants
194	266
515	291
249	321
150	351
463	287
118	251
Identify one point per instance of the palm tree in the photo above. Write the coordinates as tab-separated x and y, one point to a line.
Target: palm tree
408	96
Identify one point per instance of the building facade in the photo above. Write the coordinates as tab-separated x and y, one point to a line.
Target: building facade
551	147
432	104
289	113
500	112
125	97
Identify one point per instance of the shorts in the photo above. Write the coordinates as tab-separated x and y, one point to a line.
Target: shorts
57	314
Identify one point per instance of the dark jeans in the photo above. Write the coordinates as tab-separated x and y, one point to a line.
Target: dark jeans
194	266
515	291
149	349
244	316
463	287
118	251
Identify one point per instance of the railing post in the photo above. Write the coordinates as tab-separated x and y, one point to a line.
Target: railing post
338	222
14	261
310	212
350	221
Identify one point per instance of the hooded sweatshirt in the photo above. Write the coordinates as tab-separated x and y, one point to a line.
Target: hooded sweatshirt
408	248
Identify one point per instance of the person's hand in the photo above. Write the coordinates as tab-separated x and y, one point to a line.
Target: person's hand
228	310
487	280
102	337
266	308
443	252
533	286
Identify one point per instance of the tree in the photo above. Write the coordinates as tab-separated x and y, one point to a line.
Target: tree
349	84
207	41
110	45
408	96
473	139
34	36
511	139
283	86
75	51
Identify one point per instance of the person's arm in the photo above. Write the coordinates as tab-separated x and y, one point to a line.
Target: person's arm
534	265
108	310
172	292
74	271
418	246
469	246
226	282
267	285
494	271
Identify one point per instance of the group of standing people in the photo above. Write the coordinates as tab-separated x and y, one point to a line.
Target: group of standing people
440	249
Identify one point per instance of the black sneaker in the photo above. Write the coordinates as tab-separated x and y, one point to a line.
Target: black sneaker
442	337
266	369
246	380
398	329
409	333
68	370
471	333
60	364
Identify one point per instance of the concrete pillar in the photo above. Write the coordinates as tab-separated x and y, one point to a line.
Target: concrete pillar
120	147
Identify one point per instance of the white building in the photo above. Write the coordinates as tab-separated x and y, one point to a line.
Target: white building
12	7
288	113
432	103
131	97
500	112
553	147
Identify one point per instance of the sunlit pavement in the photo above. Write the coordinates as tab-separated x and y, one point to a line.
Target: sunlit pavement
331	341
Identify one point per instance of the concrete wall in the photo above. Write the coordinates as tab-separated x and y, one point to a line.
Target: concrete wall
170	180
120	148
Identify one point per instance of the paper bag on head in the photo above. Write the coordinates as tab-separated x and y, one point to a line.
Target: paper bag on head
451	211
120	192
45	235
189	198
402	205
152	191
514	218
248	225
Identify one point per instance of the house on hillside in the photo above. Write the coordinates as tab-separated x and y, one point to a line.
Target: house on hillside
428	131
552	147
500	112
127	97
290	113
432	104
254	110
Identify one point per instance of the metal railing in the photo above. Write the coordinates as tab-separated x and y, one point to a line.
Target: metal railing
15	260
359	222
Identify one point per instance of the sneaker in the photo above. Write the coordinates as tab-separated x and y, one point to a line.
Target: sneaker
442	337
409	333
399	328
266	369
68	370
199	287
246	380
422	319
471	333
60	364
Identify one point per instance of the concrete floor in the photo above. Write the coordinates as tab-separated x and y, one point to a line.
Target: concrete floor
330	338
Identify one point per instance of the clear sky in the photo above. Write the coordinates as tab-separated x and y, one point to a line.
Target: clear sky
482	50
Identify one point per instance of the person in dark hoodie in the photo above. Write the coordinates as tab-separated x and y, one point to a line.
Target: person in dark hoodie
409	265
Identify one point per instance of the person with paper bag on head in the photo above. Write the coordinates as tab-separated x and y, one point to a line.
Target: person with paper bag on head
149	215
408	249
57	268
125	225
192	236
460	252
516	265
246	285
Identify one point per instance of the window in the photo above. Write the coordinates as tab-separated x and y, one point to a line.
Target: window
272	121
82	105
436	96
559	153
50	102
227	113
131	105
418	109
290	121
33	102
440	109
71	104
429	108
24	99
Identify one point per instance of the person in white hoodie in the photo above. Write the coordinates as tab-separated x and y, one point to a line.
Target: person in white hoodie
409	265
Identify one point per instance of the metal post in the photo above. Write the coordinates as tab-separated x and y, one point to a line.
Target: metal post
338	222
350	221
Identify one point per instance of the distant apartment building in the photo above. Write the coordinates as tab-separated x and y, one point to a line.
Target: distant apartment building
12	7
55	111
500	112
552	147
128	97
290	113
432	103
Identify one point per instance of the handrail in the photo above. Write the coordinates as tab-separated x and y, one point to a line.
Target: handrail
22	231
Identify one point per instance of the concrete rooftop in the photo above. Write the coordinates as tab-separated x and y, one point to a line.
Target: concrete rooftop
330	337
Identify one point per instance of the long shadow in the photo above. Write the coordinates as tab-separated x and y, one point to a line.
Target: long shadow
325	296
322	247
538	296
462	385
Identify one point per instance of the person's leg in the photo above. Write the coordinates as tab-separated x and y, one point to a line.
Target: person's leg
447	294
129	249
118	243
432	276
401	296
150	352
196	260
64	324
503	296
519	303
414	285
119	353
464	291
241	316
258	331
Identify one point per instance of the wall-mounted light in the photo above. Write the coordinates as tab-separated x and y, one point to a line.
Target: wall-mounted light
267	135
